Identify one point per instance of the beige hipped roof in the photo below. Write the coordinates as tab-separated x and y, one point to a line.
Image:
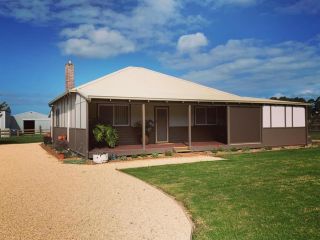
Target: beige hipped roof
137	83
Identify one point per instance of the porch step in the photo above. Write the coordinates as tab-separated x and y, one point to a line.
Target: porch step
181	149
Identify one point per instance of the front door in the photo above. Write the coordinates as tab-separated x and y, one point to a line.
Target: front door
162	121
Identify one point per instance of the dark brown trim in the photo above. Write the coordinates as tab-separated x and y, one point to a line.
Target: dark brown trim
261	121
285	116
306	123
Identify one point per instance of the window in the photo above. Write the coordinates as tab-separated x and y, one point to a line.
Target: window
116	115
205	116
121	115
57	117
280	116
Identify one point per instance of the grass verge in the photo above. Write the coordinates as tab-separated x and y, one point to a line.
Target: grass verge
22	139
75	161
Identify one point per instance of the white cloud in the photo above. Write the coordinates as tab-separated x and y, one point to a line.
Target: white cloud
88	41
191	42
253	67
144	23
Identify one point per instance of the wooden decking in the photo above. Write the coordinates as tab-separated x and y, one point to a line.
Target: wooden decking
151	148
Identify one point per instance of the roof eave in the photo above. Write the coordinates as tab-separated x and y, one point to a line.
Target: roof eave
61	96
271	102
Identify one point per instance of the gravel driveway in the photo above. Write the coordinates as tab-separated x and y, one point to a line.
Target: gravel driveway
41	198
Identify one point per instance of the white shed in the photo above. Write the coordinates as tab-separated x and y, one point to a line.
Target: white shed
31	122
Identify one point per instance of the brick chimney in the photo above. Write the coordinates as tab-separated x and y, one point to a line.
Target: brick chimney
69	70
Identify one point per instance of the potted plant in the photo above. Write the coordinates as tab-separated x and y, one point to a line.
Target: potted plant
62	137
149	127
104	134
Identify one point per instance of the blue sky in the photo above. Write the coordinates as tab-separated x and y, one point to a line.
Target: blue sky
258	48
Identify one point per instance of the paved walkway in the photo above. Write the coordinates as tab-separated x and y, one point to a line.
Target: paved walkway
41	198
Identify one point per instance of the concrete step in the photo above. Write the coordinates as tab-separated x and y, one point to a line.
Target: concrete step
181	149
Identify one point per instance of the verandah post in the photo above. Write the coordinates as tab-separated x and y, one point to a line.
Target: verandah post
189	126
143	127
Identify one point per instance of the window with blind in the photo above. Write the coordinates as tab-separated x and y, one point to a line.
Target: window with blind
205	116
121	115
116	115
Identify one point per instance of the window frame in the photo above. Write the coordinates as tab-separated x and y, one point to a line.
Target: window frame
113	113
206	116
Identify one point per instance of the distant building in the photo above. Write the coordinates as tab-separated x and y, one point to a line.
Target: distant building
30	122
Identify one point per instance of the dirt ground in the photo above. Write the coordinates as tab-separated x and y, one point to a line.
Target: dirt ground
41	198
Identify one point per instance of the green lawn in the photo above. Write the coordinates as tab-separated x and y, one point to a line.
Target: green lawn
267	195
22	139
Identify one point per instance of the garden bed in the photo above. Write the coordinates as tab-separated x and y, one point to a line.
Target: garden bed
73	159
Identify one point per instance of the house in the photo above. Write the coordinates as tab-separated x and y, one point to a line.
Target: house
186	115
30	122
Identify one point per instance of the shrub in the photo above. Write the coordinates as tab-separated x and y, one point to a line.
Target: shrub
168	153
214	150
123	157
61	145
155	155
219	149
245	149
143	155
267	148
134	156
47	140
233	149
107	134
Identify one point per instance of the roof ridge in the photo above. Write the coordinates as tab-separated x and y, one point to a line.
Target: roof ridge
190	82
